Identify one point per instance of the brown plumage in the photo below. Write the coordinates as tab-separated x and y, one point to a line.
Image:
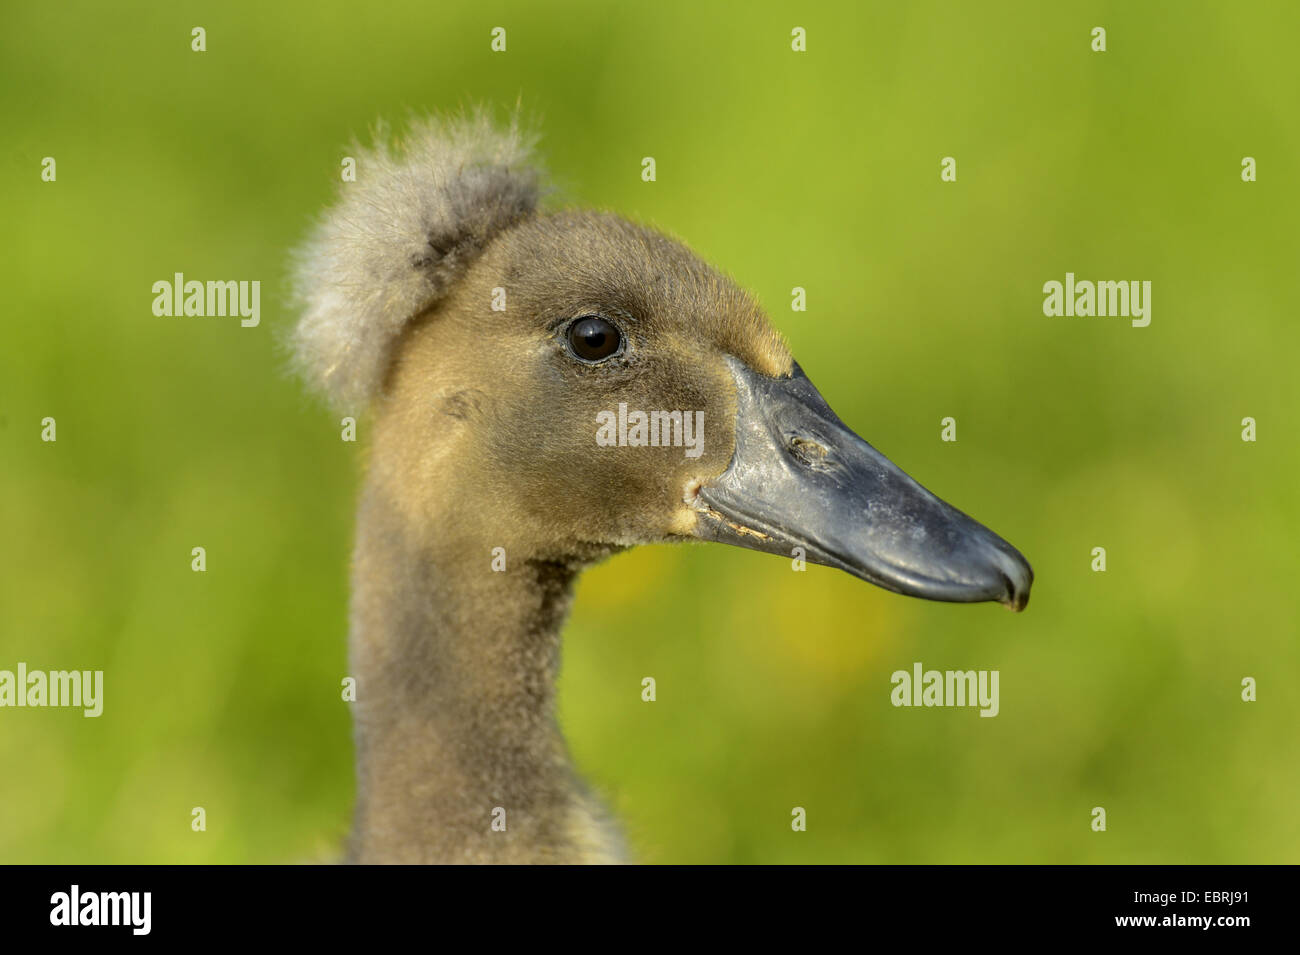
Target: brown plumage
483	437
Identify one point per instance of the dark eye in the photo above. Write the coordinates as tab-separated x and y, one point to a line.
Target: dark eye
594	339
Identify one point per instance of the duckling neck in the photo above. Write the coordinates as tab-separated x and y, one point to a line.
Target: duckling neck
459	757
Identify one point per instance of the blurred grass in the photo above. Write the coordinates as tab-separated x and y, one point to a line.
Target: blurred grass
819	170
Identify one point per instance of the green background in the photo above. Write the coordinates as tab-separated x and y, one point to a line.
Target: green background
821	169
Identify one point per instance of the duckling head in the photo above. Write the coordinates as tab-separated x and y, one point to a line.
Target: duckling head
570	384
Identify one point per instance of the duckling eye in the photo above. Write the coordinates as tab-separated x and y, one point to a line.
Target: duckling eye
593	339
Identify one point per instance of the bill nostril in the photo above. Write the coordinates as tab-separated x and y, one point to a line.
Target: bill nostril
807	451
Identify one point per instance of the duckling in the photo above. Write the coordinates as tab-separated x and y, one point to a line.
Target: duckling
490	341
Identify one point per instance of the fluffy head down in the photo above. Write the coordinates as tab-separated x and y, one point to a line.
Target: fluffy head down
398	238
